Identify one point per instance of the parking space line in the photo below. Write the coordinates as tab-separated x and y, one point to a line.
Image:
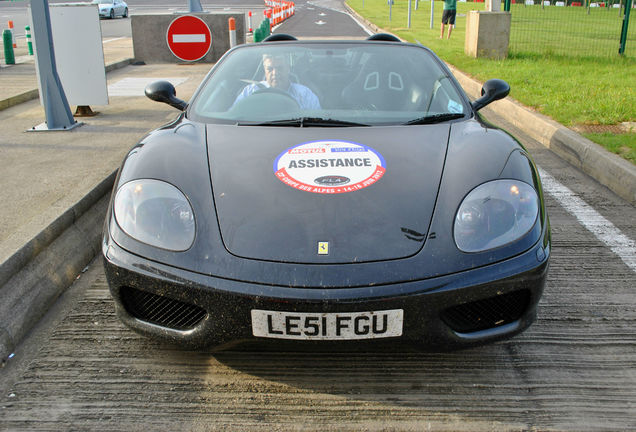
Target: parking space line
603	229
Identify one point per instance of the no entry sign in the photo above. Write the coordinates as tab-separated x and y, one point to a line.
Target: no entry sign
189	38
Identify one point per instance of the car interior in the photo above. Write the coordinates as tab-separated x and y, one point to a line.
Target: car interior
345	79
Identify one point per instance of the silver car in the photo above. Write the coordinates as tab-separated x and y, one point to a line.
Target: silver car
112	8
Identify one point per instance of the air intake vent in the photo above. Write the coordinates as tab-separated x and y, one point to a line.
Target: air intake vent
161	310
487	313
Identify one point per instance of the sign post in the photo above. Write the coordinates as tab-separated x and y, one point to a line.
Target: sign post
194	6
189	38
56	108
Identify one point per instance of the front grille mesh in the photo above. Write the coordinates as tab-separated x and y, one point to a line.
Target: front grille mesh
487	313
161	310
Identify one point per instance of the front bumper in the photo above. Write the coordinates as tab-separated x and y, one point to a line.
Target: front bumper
469	308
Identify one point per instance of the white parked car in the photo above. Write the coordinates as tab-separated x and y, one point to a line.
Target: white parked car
112	8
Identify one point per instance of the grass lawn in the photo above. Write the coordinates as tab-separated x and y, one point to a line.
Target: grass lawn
569	31
621	144
571	89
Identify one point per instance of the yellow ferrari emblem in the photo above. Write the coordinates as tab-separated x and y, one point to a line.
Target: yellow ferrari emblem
323	248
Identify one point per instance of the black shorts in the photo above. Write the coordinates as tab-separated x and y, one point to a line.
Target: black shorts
448	16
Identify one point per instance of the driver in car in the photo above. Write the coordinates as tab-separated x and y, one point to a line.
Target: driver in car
277	78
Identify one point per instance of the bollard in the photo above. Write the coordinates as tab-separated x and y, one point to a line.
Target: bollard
7	39
232	24
27	34
265	28
268	17
15	45
249	22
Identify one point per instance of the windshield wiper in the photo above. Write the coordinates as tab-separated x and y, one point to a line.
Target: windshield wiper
436	118
304	122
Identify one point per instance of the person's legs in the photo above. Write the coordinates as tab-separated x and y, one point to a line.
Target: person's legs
445	16
451	21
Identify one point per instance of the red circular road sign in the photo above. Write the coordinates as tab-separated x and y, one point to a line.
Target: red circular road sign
189	38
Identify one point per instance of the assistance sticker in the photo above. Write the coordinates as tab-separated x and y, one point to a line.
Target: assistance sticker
329	167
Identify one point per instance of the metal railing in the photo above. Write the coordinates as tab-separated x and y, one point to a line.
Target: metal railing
571	28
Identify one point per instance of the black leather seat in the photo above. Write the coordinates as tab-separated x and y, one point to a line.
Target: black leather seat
384	85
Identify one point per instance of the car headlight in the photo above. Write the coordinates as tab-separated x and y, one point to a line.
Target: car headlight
156	213
494	214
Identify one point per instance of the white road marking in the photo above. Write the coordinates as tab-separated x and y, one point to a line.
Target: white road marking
112	40
593	221
362	26
136	86
188	38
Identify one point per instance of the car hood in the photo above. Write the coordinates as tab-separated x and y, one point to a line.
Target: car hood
325	195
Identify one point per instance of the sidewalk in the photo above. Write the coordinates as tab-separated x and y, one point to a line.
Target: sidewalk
56	185
18	83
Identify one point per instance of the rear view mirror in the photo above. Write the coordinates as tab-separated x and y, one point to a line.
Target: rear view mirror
163	91
492	90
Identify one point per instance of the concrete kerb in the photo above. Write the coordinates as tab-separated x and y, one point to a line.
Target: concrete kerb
607	168
18	99
33	278
34	94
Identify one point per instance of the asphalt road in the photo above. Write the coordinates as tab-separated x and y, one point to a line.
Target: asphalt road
574	369
321	18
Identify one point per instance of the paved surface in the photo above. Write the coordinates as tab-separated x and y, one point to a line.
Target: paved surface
51	179
573	370
43	173
80	369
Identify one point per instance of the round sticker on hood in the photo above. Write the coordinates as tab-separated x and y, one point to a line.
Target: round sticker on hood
329	167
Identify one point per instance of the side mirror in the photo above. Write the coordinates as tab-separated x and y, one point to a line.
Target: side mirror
163	91
492	90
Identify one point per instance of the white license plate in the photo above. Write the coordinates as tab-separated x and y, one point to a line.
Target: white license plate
327	326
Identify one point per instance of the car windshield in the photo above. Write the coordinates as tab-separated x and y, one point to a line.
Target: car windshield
328	84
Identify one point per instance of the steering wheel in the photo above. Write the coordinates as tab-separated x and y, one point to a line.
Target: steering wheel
272	90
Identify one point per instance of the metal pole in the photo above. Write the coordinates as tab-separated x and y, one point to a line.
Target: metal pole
408	25
628	6
432	11
58	114
194	6
390	9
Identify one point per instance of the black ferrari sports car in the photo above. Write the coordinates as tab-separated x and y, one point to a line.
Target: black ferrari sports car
328	192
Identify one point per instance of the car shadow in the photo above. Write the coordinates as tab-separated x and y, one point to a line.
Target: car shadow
457	386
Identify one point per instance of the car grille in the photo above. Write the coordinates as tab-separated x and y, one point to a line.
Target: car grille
161	310
487	313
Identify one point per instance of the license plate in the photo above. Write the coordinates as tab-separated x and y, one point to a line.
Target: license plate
327	326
